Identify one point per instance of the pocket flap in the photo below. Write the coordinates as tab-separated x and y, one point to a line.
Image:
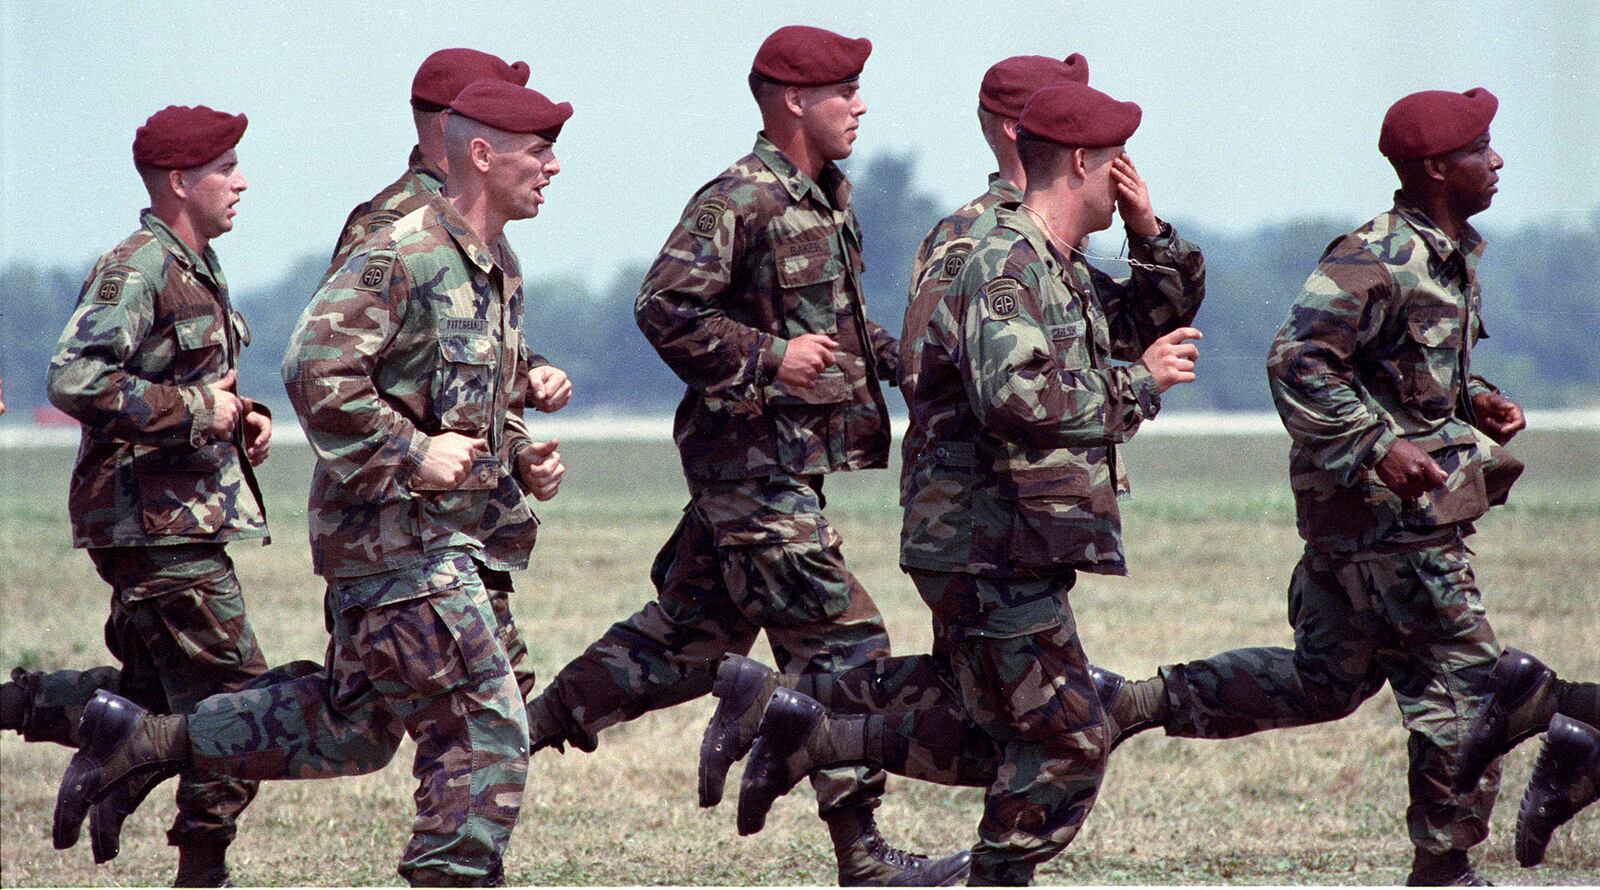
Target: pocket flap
829	388
1435	328
467	350
405	585
1010	622
1046	482
208	458
795	528
198	332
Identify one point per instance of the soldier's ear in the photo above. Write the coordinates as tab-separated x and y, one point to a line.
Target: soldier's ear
1433	168
793	101
478	152
1009	127
176	183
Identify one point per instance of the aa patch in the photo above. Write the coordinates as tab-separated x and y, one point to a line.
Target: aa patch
707	216
375	274
1001	297
109	290
954	261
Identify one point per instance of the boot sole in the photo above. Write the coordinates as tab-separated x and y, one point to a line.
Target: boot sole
735	695
778	736
103	727
1548	770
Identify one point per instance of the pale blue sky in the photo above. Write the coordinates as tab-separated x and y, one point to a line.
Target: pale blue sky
1254	111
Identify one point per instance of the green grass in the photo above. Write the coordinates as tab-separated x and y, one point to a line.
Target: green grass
1211	539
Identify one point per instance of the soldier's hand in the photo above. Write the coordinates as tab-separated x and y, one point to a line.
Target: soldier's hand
806	357
542	469
549	389
1171	358
449	460
257	436
1498	416
1133	198
225	407
1408	471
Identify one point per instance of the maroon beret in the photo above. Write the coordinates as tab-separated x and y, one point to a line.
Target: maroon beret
802	56
1079	115
447	72
1434	122
1009	83
179	137
514	109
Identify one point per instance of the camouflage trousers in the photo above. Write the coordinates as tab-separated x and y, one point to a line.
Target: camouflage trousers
179	629
416	651
748	556
1414	619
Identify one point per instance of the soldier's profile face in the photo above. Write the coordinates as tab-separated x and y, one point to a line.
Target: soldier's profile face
518	175
211	191
1471	174
830	118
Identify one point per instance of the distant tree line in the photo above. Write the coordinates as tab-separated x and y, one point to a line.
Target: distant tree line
1539	284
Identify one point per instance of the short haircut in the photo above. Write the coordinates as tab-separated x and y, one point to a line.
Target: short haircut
460	130
1041	158
764	90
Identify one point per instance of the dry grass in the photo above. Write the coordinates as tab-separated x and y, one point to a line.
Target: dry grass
1211	536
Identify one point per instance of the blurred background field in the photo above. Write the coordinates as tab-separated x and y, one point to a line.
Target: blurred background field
1211	538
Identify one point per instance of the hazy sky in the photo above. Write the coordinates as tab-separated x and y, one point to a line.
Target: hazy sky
1254	111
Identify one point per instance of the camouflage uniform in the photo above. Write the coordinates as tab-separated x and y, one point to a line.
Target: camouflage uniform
416	335
762	254
421	183
1377	348
1012	493
154	499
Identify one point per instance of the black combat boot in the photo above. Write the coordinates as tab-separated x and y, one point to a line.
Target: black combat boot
1131	708
122	745
202	865
1452	869
1566	778
795	738
867	860
742	689
1519	701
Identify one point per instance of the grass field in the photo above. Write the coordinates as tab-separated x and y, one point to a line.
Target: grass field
1211	537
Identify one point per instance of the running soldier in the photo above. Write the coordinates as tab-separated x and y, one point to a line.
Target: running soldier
416	487
1397	450
439	79
1014	493
163	479
756	303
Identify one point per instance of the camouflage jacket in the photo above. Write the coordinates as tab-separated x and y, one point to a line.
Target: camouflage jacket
153	327
418	333
1377	348
938	261
761	255
1021	407
417	186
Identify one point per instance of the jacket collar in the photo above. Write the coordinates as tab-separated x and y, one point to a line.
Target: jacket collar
203	265
798	184
421	168
1439	244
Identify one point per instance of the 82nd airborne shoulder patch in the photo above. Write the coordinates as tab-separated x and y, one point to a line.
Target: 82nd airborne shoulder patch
375	274
1001	297
955	259
109	289
707	216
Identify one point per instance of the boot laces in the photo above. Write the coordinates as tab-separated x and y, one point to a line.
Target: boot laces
883	851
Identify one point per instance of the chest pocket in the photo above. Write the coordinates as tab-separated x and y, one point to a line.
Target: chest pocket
1429	358
463	383
201	349
806	266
